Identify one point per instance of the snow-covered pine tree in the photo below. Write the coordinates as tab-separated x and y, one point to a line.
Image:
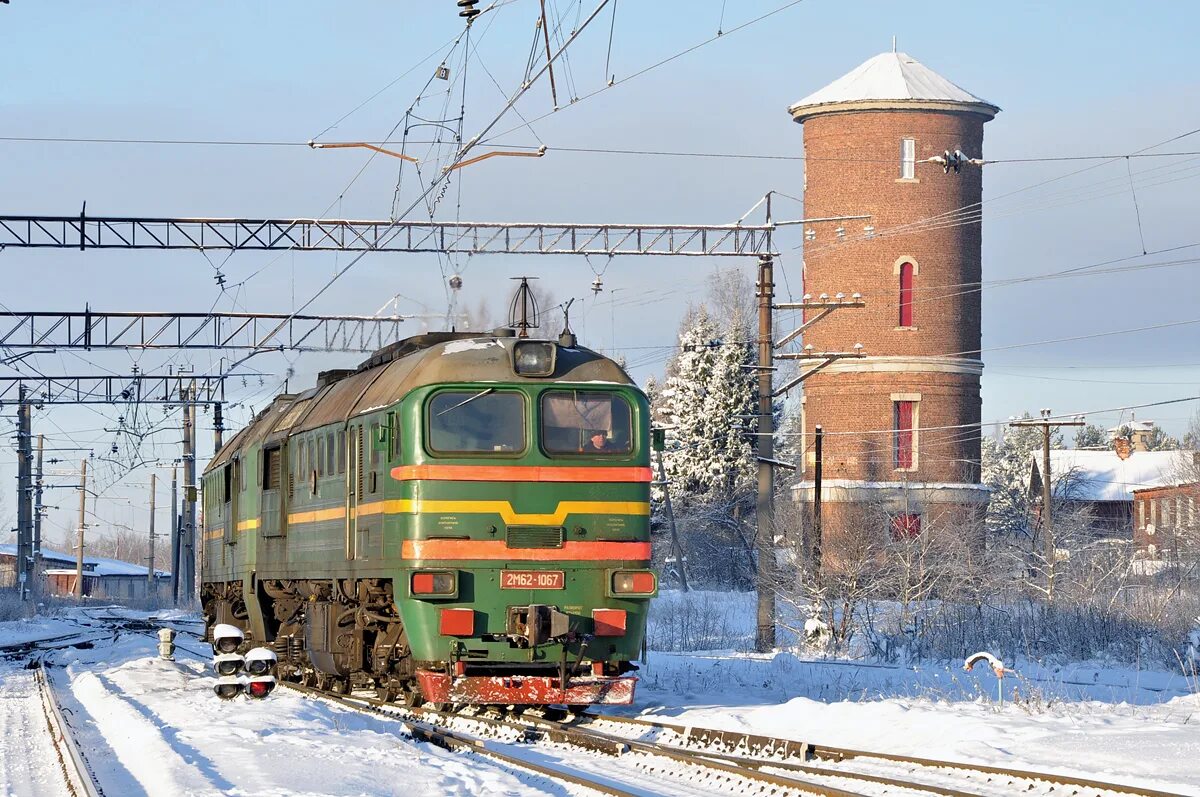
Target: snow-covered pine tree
682	406
729	405
1092	436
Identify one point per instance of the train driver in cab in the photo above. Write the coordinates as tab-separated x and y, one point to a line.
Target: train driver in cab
597	441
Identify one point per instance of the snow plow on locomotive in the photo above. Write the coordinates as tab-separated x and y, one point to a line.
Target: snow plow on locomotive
463	519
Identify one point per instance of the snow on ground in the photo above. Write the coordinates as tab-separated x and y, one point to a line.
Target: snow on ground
32	629
26	752
154	727
151	727
1120	724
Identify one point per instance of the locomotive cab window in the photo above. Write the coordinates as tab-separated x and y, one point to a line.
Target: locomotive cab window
586	422
476	422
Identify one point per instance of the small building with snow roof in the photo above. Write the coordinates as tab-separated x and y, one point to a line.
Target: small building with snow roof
1105	484
111	579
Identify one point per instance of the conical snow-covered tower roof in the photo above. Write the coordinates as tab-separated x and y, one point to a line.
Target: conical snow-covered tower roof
891	81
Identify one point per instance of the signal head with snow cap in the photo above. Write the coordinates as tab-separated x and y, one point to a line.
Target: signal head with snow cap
227	638
261	661
228	687
228	664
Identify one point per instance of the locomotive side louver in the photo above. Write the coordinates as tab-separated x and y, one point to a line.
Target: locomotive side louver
535	536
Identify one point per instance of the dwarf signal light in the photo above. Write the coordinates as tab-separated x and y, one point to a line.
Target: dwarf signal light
227	638
261	661
258	688
228	664
228	687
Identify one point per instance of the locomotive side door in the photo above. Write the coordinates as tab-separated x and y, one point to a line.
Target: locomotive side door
354	483
229	491
272	509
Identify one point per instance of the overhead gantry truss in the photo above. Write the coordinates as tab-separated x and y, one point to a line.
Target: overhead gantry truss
340	235
92	329
141	388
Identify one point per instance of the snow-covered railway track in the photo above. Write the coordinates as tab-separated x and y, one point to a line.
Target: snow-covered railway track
933	775
77	773
448	739
644	767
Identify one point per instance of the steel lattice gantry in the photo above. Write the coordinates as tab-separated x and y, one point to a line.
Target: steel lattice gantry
141	388
92	329
112	232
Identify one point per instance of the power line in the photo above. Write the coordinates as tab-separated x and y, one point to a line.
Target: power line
212	142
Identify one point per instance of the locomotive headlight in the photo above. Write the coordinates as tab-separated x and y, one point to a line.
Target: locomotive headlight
534	358
438	583
634	582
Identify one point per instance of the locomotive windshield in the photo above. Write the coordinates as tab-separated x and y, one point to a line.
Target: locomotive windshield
586	422
476	421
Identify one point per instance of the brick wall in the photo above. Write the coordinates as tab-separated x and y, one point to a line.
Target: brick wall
856	411
1165	521
853	167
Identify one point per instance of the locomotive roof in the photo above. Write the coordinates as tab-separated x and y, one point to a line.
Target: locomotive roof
395	370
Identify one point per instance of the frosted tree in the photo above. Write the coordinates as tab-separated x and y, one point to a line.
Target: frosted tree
729	406
682	406
1006	469
1092	436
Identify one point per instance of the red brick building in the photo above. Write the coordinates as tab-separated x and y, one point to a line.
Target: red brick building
901	427
1165	525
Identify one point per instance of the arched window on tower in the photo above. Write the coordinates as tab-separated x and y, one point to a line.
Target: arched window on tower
907	272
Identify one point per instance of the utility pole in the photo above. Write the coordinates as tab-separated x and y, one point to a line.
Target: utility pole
37	519
79	533
764	639
187	532
1047	424
24	493
151	581
818	529
174	536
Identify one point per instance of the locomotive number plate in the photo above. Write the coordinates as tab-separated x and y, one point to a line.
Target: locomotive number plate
532	579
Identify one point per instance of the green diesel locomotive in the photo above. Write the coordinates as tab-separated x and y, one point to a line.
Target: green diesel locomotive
462	519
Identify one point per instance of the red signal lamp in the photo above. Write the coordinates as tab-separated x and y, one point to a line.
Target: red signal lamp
258	688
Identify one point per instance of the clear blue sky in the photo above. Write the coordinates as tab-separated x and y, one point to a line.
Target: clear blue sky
1072	78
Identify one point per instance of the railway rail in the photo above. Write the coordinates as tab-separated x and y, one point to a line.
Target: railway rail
758	764
77	773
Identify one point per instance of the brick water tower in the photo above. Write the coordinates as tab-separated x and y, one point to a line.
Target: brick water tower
901	441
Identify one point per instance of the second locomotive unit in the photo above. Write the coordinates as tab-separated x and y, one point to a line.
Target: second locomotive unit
462	519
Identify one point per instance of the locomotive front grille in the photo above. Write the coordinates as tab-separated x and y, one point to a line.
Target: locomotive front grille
535	536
